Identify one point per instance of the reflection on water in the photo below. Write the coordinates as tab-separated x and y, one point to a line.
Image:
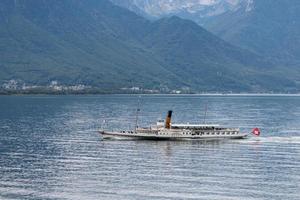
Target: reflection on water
50	149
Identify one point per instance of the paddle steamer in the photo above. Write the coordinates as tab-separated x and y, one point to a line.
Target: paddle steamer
165	130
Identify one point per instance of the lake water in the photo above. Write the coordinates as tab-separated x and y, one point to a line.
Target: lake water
50	149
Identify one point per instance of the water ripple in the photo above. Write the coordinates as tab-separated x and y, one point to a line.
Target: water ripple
50	149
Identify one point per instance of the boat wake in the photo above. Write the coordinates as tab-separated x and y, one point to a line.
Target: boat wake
274	139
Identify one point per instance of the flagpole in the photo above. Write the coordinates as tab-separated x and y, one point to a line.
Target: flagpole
205	113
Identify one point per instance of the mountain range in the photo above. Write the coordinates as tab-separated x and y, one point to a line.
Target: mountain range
268	27
102	45
197	10
271	29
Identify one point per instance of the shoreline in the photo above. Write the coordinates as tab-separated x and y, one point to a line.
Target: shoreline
160	94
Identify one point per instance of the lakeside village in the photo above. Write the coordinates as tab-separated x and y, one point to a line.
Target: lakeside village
19	87
54	87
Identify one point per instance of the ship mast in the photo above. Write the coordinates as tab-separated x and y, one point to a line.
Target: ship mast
137	114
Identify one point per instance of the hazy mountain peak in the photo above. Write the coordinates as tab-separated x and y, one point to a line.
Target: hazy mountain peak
201	8
249	5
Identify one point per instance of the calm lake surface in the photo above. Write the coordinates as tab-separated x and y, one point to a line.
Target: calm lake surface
50	149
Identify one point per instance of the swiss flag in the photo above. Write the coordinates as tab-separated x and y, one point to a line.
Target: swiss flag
256	131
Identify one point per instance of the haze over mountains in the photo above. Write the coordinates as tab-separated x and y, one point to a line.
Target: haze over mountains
197	10
101	45
271	28
268	27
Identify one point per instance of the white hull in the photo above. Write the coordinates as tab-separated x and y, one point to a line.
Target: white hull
168	136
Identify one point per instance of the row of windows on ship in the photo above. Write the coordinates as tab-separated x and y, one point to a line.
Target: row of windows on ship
197	133
205	133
